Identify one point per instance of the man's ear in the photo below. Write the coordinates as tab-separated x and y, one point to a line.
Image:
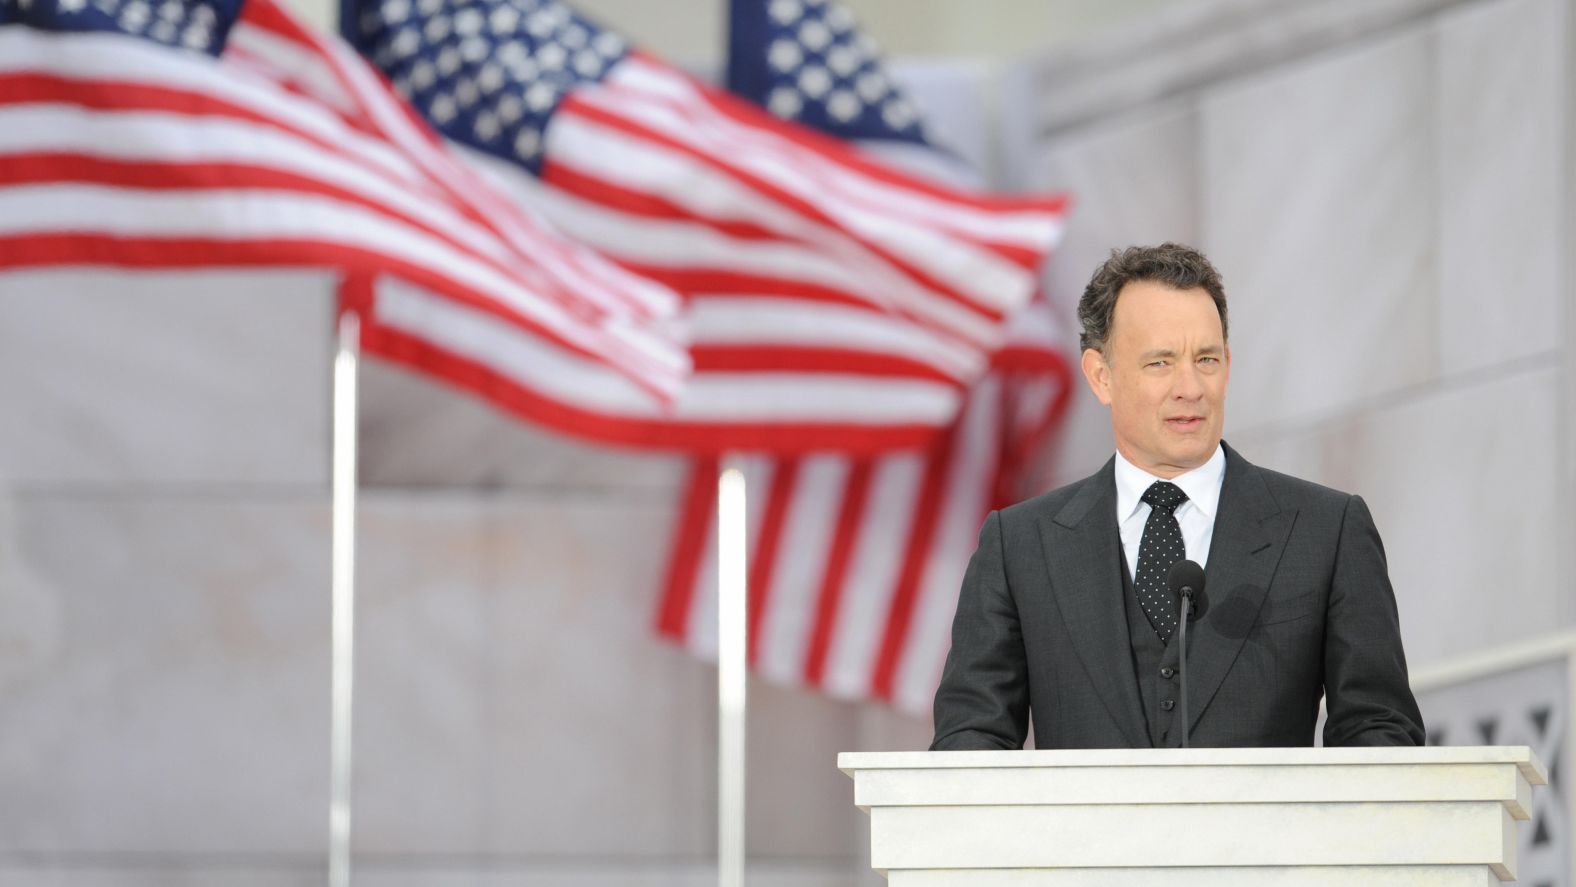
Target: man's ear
1098	374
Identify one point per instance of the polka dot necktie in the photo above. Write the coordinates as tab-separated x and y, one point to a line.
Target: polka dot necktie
1160	548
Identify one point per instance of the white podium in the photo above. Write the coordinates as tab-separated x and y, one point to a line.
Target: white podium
1309	817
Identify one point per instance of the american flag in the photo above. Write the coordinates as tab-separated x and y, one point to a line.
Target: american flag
832	302
856	560
231	136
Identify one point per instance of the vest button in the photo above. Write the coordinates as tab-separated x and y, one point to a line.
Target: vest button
1167	705
1167	672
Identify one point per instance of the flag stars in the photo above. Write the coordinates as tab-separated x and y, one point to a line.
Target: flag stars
491	78
872	86
552	57
437	29
609	44
784	55
510	109
815	35
785	102
486	126
395	12
843	60
442	109
540	96
898	114
134	17
524	70
588	64
844	106
448	61
503	20
815	81
574	37
466	93
405	44
468	22
512	53
785	12
540	24
422	75
474	50
197	36
72	6
528	144
839	19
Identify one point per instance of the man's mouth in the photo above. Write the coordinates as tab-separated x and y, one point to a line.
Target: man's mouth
1185	423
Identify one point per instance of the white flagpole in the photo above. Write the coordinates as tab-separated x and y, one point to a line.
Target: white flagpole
731	665
342	652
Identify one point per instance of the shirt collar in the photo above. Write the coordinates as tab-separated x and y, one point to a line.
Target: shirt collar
1202	485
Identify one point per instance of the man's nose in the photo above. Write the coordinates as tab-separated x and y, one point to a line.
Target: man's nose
1187	385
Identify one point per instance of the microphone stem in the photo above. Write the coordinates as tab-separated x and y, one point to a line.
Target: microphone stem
1187	606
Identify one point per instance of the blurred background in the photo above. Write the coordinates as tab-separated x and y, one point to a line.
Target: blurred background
1385	186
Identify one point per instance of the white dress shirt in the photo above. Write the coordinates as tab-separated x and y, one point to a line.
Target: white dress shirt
1196	516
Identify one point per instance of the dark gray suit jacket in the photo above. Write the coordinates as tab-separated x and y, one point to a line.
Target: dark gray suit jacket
1300	604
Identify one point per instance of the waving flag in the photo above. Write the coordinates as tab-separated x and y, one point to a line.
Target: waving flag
285	150
856	560
832	302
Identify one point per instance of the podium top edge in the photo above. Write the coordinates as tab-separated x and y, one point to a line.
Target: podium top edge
1520	755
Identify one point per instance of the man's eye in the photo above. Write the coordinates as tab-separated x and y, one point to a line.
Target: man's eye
1209	360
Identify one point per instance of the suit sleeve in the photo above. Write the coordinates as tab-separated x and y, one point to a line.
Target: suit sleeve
1368	698
983	701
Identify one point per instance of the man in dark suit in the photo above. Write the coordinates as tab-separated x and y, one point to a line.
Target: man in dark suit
1064	613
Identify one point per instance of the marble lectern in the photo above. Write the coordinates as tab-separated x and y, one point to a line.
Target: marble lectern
1309	817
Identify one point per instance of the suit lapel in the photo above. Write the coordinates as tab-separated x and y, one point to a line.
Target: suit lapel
1250	534
1083	554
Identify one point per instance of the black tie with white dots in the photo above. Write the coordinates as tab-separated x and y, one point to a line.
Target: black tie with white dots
1159	549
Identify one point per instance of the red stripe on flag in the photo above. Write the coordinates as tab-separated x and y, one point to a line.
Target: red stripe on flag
711	437
125	97
856	491
842	154
921	542
177	252
704	281
695	521
778	497
645	204
807	359
355	294
178	176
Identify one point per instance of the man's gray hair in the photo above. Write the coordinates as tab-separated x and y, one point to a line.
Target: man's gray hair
1173	264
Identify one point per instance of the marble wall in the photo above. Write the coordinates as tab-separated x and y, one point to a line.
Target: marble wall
1388	200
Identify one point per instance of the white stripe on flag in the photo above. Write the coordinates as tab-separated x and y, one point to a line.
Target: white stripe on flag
873	575
807	538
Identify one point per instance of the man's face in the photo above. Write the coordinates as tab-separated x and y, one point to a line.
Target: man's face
1163	376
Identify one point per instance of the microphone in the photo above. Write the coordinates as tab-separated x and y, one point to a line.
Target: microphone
1186	581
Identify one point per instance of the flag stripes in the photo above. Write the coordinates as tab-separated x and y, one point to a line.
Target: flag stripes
120	151
856	561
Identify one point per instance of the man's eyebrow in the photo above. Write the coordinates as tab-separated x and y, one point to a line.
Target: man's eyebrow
1158	352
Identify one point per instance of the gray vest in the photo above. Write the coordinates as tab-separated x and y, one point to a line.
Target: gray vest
1155	664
